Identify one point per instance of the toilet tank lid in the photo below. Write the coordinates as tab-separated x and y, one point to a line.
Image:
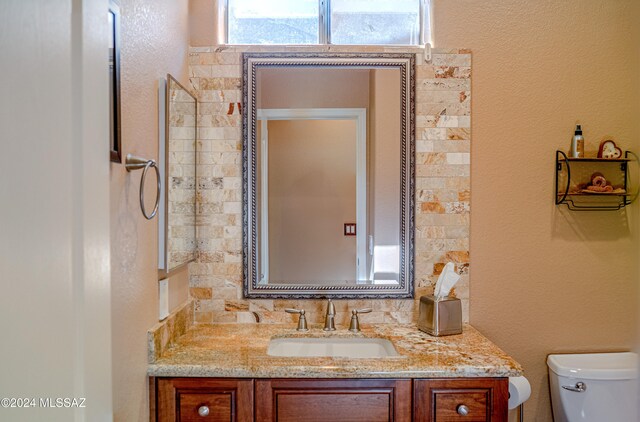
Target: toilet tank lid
595	366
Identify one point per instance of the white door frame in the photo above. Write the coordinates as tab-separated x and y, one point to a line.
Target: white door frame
360	116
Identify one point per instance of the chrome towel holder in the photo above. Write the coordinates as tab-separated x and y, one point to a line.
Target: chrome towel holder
136	163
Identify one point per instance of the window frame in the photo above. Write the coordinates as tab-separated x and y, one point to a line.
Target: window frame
324	25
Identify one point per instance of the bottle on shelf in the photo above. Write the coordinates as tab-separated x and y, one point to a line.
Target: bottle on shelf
577	144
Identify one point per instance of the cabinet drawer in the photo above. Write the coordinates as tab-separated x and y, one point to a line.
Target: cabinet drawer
215	407
453	400
470	405
184	399
333	400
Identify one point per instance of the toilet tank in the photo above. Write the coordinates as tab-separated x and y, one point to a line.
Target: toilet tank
599	387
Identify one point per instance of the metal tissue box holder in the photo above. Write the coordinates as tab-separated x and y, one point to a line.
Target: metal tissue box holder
440	317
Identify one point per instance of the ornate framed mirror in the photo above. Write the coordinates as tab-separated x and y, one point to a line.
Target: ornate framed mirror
328	175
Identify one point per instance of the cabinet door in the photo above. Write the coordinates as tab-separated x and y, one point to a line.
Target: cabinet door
469	399
204	399
319	400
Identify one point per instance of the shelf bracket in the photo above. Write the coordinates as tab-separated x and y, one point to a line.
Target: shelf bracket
594	203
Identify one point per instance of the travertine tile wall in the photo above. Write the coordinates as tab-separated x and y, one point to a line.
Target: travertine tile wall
181	181
442	187
164	334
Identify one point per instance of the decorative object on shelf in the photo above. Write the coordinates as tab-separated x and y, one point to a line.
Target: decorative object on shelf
577	143
599	184
595	184
608	149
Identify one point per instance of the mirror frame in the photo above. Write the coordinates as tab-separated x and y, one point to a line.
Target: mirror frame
164	151
251	63
115	133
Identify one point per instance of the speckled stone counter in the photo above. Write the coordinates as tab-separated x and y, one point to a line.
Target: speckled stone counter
240	350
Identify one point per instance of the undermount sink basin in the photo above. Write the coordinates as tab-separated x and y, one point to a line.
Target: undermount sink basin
306	347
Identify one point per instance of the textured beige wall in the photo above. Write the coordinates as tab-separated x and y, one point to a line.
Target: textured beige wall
154	42
384	156
544	280
202	17
312	88
316	156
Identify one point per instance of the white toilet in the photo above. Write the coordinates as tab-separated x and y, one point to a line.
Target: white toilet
594	387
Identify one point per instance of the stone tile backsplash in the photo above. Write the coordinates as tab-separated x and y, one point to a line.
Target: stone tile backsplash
443	138
165	333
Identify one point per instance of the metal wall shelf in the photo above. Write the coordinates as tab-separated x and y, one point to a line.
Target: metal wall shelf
572	172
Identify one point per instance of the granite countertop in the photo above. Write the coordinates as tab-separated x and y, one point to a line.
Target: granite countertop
240	350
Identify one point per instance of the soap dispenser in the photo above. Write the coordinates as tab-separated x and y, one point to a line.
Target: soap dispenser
577	144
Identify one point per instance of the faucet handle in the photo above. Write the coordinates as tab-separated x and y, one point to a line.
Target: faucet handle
302	321
355	322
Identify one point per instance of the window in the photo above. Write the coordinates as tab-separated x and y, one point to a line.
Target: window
272	22
375	22
403	22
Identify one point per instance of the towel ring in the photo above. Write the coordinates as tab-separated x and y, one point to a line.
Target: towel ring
136	163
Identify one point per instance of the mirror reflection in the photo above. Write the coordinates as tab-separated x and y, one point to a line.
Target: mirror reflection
177	220
328	147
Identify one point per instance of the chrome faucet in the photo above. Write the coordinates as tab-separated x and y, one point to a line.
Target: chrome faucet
329	321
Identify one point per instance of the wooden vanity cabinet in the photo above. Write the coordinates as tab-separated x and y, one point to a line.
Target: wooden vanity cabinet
330	400
333	400
461	399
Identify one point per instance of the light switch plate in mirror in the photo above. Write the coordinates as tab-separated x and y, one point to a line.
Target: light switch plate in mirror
293	227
